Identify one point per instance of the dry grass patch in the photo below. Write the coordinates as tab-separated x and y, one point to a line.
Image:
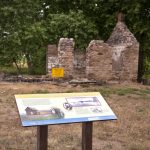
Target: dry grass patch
130	132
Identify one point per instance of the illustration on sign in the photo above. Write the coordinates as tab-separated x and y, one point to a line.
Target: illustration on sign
41	109
80	102
52	112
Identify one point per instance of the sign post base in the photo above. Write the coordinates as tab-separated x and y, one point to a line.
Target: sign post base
87	128
42	137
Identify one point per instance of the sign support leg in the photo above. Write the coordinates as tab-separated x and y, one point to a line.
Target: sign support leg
87	128
42	137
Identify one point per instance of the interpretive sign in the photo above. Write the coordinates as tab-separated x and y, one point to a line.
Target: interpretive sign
58	108
57	72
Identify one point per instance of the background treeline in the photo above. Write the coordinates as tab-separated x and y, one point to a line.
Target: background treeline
27	27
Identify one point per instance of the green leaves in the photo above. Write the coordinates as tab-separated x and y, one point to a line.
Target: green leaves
26	27
73	25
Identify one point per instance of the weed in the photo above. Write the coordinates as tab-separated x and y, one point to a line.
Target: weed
13	71
125	91
145	94
40	92
106	91
147	91
146	97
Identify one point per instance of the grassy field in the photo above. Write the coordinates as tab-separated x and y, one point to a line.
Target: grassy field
130	102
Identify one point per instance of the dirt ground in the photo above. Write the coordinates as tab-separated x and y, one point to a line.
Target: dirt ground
130	102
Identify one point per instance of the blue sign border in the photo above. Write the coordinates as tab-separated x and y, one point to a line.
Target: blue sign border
68	120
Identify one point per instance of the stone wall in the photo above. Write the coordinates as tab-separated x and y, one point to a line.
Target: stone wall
52	58
125	49
79	64
65	56
98	61
130	63
116	59
123	63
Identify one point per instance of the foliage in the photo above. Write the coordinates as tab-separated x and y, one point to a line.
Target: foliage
39	62
147	66
73	25
21	31
12	70
26	27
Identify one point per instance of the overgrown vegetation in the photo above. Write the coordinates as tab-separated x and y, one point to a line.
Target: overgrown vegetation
12	70
26	27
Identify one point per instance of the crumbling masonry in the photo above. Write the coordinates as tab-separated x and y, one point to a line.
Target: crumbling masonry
115	59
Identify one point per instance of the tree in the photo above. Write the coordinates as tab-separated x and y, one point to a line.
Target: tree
28	26
22	21
73	25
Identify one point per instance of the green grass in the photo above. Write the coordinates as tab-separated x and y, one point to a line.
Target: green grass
147	91
107	91
8	70
126	91
13	70
144	93
146	76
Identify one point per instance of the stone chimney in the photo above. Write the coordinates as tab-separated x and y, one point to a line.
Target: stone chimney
121	34
120	17
125	51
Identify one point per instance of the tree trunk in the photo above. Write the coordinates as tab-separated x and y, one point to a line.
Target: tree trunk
29	63
18	68
140	64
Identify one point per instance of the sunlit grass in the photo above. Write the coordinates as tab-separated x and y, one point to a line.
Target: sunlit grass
107	91
130	131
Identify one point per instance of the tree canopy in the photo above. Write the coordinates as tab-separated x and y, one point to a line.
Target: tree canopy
26	27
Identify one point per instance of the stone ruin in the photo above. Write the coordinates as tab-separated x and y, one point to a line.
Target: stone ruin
113	60
61	57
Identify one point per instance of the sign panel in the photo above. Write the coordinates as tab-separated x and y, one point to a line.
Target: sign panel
58	108
57	72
